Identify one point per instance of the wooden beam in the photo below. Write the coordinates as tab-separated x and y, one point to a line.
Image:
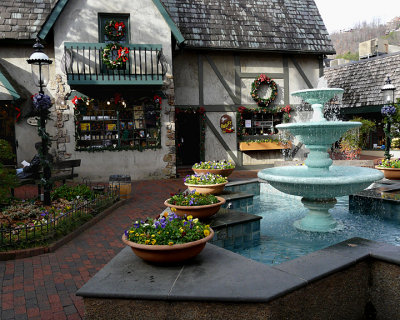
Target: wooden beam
234	98
300	70
221	140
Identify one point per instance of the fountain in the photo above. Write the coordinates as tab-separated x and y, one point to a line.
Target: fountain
318	182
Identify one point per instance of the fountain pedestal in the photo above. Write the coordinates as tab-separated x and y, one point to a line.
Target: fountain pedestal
318	218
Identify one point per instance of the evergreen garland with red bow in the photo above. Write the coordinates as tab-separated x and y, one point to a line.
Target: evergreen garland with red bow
114	30
120	61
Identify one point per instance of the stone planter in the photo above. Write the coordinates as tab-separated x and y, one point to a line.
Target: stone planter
390	173
207	188
222	172
200	212
165	254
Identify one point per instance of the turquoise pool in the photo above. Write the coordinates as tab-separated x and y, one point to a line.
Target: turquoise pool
280	241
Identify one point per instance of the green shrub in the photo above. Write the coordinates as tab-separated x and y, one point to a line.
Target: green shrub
8	177
72	192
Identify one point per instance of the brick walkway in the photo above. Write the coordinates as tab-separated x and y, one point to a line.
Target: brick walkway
43	287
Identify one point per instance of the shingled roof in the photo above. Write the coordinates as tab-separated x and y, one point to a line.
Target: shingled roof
22	20
362	80
270	25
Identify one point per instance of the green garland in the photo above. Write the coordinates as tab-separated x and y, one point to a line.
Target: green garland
114	30
275	110
263	80
120	61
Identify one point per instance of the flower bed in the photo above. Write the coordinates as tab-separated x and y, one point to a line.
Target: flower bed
26	224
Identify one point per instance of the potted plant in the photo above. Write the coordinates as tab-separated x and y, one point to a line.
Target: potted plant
223	167
354	140
195	204
390	168
167	239
208	183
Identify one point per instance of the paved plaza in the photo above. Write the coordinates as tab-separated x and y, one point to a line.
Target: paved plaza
43	287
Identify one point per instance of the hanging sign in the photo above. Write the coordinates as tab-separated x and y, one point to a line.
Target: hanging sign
226	124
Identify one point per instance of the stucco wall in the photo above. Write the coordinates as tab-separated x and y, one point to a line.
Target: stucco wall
13	59
79	23
187	72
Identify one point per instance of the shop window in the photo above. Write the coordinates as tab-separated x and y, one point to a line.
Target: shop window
106	125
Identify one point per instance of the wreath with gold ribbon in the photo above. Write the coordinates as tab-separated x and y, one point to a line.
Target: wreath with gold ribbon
115	61
114	30
263	80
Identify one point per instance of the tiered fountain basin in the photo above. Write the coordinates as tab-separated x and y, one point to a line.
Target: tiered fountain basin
318	182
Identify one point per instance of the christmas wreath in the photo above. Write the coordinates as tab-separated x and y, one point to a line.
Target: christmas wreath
263	80
114	30
120	60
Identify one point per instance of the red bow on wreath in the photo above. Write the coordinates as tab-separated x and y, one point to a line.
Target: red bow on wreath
119	26
242	109
123	54
157	99
75	100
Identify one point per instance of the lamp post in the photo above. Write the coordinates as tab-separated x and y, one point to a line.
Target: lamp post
388	111
40	62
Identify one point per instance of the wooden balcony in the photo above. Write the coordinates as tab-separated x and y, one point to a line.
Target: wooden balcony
83	65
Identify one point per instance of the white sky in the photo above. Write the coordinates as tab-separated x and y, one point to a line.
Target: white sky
344	14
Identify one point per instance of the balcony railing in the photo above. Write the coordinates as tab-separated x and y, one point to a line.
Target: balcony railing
83	65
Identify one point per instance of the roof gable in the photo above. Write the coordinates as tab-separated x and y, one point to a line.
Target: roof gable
270	25
362	80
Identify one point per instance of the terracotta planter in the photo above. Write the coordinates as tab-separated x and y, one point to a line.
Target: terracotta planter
200	212
207	188
164	254
390	173
222	172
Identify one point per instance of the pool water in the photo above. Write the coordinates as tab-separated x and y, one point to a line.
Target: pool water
280	241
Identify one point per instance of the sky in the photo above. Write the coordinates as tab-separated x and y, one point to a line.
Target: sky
344	14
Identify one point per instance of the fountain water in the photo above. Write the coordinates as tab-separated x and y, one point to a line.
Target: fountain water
318	182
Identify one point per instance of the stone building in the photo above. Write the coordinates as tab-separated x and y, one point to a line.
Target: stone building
198	58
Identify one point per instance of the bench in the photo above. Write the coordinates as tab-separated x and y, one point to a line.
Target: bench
60	171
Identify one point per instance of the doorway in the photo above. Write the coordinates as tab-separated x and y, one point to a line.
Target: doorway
187	133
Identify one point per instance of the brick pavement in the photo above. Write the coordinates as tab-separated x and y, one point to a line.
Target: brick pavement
43	287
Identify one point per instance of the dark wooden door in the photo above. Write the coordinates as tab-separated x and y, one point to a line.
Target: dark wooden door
187	138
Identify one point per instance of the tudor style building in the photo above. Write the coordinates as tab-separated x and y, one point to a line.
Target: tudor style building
154	79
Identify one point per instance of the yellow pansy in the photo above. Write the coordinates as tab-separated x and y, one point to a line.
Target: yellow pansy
195	220
173	209
153	241
147	242
181	229
206	232
152	235
170	243
189	217
165	214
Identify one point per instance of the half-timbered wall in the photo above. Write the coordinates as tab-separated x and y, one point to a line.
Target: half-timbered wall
221	82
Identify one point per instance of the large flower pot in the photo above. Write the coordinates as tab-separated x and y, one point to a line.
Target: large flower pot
390	173
222	172
207	188
164	254
200	212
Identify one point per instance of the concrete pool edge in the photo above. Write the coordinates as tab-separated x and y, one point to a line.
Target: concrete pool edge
219	280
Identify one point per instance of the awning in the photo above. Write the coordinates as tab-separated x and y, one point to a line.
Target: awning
7	91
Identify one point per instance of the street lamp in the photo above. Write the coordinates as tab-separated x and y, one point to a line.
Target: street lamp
388	110
40	62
